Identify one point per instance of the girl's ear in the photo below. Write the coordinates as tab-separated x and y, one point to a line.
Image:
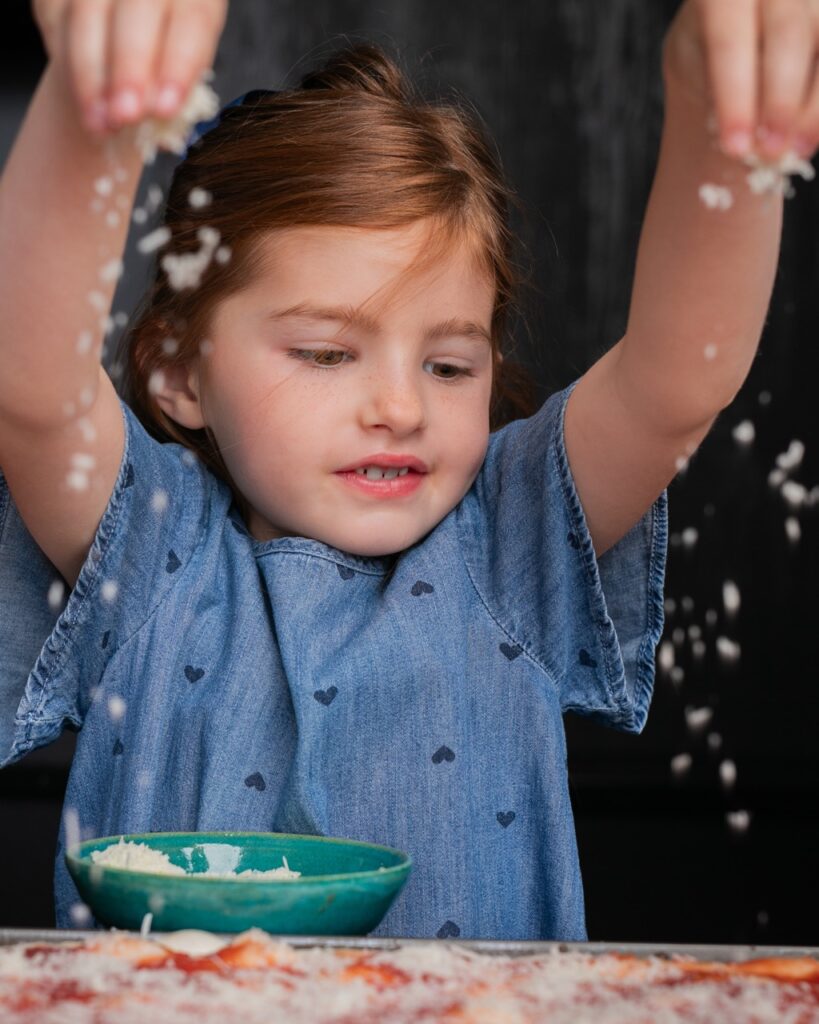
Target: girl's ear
176	390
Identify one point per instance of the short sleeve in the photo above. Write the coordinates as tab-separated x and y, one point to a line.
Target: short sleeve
156	518
26	615
591	624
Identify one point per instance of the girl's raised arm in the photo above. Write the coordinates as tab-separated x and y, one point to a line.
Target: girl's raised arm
704	276
111	64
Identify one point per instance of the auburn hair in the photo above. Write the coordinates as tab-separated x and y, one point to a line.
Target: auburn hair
352	145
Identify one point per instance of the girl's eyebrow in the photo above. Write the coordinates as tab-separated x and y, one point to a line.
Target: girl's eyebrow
352	317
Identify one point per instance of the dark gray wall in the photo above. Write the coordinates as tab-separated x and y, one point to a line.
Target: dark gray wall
571	92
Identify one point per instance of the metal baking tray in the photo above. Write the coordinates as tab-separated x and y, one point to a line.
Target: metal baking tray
726	953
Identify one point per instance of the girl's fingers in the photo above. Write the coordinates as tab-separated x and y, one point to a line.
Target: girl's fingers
85	29
806	128
191	36
786	67
136	31
730	33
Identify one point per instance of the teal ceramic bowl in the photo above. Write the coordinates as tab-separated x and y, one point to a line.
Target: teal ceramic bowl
345	888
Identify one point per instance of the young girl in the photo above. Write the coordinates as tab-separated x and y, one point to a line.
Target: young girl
311	590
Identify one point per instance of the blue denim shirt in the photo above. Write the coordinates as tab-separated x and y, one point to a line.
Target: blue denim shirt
412	700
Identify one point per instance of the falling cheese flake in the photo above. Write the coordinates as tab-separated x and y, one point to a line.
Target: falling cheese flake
694	631
714	741
222	255
85	340
154	240
87	429
777	477
159	500
75	480
665	656
792	458
172	134
140	215
154	197
111	271
681	764
80	915
728	650
145	927
116	707
98	301
170	346
710	352
112	219
764	398
109	590
120	318
698	718
670	606
687	604
199	197
711	617
690	536
156	382
730	597
774	175
104	186
156	901
794	493
678	636
83	461
698	649
71	827
793	531
677	675
56	593
728	774
738	821
744	432
185	270
716	197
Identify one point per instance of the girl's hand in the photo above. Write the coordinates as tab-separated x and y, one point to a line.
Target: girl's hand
755	64
130	59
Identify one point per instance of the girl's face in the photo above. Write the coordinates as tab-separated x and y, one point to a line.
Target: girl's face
299	389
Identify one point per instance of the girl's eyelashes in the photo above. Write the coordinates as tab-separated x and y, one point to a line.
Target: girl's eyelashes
324	359
319	359
460	371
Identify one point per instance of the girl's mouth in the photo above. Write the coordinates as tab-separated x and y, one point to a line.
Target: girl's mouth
397	487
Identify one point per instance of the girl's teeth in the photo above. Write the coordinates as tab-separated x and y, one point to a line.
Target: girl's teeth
374	473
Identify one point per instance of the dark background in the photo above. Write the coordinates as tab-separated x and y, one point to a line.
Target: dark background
571	92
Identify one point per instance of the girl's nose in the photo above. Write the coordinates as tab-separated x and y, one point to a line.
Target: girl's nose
394	402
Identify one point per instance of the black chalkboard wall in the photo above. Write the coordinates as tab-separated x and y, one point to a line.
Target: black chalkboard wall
571	91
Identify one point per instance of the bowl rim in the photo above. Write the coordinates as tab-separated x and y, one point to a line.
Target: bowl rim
76	855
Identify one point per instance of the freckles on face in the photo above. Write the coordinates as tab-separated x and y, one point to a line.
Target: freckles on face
309	374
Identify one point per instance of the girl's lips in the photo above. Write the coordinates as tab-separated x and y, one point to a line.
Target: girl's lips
398	487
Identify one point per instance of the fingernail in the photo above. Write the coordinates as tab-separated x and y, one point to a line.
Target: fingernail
125	104
804	146
96	116
167	99
737	143
772	142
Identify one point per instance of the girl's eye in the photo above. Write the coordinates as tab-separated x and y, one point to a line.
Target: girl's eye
453	372
321	359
